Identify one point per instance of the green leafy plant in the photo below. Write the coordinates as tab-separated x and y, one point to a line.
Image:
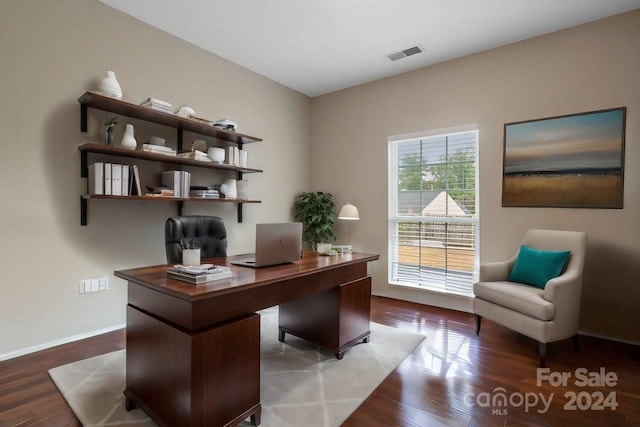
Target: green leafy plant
110	123
316	212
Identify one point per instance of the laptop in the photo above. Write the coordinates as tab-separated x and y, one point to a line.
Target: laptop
278	243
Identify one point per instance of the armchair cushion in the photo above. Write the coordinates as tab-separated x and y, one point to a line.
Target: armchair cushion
521	298
536	267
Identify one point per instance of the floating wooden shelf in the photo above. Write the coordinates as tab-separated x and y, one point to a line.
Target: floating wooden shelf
105	103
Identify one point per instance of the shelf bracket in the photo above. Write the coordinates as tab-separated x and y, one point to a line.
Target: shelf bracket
180	207
240	213
83	211
84	168
240	204
83	117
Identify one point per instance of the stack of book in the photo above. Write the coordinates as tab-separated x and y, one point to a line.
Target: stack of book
156	104
199	274
204	193
158	149
111	179
178	181
195	155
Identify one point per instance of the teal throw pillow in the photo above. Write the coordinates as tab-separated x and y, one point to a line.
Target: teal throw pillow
536	267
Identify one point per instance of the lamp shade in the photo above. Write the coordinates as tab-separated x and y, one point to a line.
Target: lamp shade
349	212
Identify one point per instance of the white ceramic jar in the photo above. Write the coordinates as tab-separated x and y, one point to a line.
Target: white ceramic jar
216	154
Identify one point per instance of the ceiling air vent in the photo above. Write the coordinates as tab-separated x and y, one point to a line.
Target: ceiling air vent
413	50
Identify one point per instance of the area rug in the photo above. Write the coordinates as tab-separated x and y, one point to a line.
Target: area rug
299	381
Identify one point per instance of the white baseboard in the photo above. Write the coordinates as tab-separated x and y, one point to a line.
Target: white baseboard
60	341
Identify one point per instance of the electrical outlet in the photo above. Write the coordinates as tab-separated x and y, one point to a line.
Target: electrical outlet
95	285
87	285
81	287
104	283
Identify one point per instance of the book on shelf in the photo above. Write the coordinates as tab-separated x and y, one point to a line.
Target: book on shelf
155	101
195	155
178	181
116	179
95	179
159	149
204	194
126	190
199	275
135	186
185	183
157	104
107	179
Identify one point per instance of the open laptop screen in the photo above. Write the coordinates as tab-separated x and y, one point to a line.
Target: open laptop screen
276	243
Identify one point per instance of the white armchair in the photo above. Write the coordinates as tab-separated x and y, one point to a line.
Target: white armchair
545	314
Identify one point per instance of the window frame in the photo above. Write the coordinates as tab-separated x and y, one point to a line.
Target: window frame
393	216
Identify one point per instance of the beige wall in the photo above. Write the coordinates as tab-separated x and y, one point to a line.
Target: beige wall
590	67
50	54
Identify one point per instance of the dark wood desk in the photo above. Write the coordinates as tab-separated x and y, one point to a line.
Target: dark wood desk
193	351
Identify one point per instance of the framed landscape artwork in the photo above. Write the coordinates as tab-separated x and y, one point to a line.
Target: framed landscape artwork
574	161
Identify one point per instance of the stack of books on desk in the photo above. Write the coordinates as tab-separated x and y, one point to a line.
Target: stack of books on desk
156	104
199	274
158	149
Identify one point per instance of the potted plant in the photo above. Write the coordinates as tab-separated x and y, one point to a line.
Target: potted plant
316	212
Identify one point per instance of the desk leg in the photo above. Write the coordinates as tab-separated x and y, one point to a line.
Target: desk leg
336	319
209	377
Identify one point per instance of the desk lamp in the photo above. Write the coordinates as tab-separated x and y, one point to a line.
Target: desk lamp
349	213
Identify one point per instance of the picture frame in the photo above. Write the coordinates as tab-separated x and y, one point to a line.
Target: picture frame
571	161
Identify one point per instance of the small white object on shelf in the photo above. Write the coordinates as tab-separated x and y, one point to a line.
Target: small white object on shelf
109	86
229	189
156	140
226	124
216	154
195	155
185	112
158	149
128	140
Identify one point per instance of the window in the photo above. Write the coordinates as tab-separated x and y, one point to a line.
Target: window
433	210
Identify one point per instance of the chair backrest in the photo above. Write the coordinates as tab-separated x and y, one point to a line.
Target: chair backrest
560	240
208	232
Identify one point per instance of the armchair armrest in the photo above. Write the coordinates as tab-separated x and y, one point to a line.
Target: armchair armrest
495	271
564	287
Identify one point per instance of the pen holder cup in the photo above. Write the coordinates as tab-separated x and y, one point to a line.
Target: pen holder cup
191	256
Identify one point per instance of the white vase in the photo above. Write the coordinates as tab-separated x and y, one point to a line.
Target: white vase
229	189
109	86
128	141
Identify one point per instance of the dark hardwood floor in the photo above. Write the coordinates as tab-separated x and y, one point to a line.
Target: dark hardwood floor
452	379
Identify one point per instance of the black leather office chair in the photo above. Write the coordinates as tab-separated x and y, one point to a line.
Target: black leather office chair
207	231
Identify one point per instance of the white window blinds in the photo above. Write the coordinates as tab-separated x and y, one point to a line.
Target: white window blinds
432	211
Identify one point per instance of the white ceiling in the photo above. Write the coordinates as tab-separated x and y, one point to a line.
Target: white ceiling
320	46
